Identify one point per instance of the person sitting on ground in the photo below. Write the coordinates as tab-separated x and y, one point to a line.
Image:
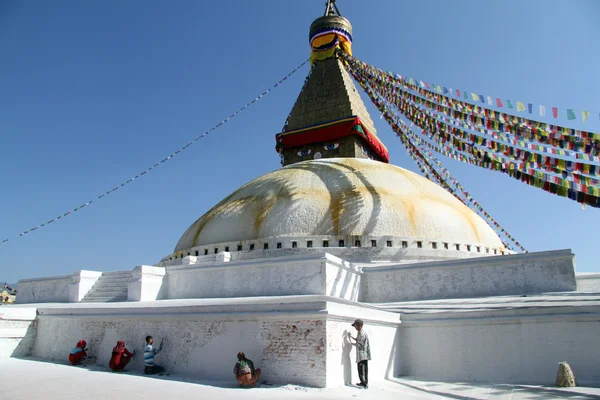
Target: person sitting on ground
79	353
149	353
120	357
244	371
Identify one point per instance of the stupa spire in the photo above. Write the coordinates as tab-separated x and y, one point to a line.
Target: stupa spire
329	119
331	9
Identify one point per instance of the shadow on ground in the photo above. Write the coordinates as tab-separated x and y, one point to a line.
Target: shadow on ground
93	367
490	391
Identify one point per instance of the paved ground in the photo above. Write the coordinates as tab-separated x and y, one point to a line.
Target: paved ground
30	379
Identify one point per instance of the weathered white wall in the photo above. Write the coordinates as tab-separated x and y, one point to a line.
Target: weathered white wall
523	349
147	284
81	283
341	355
17	331
44	290
286	337
549	271
318	274
342	279
588	282
60	289
290	351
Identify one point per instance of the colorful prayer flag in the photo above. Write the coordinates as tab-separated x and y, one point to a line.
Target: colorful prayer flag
520	106
457	93
509	104
489	98
474	96
585	115
482	98
530	108
542	111
499	102
445	90
555	112
570	114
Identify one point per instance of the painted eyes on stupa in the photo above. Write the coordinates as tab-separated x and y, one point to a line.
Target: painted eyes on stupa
332	146
302	153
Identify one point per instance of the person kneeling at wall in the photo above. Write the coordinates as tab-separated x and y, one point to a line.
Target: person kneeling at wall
149	353
79	353
120	357
244	371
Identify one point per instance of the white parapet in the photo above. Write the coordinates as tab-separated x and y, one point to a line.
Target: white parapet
307	274
588	282
81	283
531	273
57	289
17	331
147	283
509	339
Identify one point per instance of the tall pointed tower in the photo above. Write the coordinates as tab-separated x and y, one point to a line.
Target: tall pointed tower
329	118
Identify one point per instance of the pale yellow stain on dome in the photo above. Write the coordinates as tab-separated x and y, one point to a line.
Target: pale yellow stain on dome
339	196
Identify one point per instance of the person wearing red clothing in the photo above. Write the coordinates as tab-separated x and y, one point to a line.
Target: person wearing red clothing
78	353
120	357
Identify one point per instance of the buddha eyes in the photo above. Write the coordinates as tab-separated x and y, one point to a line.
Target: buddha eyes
332	146
304	152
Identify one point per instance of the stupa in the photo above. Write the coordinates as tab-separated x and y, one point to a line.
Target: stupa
282	266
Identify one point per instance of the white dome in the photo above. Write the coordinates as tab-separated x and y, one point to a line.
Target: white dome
339	197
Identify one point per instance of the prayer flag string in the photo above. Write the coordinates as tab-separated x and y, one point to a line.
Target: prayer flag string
522	165
538	130
168	157
421	160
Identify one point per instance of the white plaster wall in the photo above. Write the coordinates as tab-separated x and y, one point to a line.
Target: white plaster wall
285	336
248	279
81	283
41	290
17	331
321	274
288	351
551	271
342	279
520	351
147	284
341	355
588	282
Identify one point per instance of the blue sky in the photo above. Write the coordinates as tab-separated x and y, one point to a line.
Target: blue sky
94	92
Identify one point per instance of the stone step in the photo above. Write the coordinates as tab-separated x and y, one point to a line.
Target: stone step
116	274
108	294
104	300
116	283
111	288
113	278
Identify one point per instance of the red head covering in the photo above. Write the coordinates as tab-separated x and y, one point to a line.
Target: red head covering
81	344
120	347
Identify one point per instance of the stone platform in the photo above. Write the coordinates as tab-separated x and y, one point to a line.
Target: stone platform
294	340
508	339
